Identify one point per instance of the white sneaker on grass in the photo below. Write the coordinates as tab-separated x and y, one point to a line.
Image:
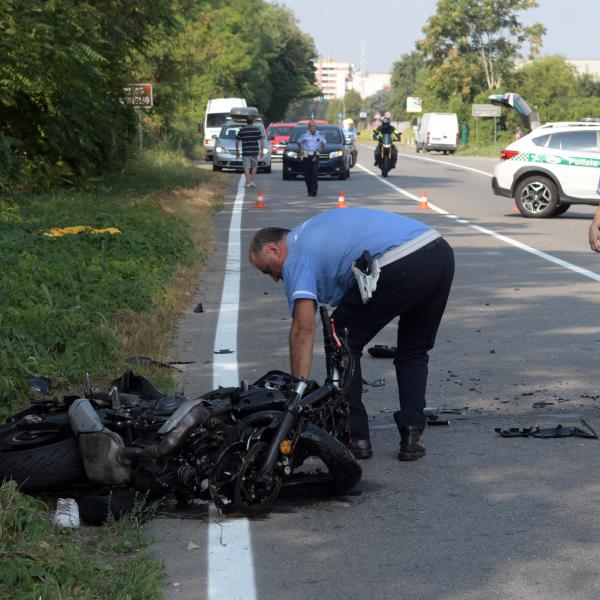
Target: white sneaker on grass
67	513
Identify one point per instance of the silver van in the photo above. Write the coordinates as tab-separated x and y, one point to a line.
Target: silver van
225	157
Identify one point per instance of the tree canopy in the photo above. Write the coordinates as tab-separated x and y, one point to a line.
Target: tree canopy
63	67
471	45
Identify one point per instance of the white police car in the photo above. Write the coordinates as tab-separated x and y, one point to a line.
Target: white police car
554	166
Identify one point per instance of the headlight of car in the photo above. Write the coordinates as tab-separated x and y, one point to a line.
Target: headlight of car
336	154
291	154
220	150
265	151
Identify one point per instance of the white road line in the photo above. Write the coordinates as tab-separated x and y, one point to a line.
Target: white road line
433	207
439	162
230	565
484	230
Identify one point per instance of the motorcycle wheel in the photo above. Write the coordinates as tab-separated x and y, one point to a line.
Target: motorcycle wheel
344	470
385	166
221	484
252	495
38	460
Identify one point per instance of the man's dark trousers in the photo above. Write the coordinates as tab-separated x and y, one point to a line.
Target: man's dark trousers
310	165
416	289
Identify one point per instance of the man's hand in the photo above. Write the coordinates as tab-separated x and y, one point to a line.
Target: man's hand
594	232
594	237
302	337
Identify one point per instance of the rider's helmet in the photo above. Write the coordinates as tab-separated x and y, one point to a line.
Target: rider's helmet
386	122
348	123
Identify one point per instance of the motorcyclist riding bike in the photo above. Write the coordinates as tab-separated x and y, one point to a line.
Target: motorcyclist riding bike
350	133
386	127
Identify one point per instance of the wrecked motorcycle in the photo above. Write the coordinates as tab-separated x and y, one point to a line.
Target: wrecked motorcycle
274	443
135	436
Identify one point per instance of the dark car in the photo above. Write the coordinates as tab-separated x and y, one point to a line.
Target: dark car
334	161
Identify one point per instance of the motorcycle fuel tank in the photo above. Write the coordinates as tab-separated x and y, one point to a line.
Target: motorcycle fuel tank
260	398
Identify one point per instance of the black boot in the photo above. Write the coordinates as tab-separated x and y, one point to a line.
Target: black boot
361	448
411	447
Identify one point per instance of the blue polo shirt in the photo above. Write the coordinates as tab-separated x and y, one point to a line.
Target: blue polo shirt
311	142
320	252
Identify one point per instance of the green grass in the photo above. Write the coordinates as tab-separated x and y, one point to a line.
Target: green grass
60	296
41	561
472	149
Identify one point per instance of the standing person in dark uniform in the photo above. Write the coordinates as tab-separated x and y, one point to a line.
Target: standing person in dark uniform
252	141
415	270
311	143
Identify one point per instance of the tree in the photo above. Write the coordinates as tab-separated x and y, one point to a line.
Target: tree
380	101
403	83
470	45
63	66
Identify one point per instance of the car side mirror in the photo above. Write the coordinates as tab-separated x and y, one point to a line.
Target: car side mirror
214	137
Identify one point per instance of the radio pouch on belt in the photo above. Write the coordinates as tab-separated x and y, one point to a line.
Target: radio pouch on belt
366	272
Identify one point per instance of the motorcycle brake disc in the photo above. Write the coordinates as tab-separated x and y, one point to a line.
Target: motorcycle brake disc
221	483
252	494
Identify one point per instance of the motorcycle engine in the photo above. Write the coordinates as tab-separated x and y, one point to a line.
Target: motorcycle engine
158	411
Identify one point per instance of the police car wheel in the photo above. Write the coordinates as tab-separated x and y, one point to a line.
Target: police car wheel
536	197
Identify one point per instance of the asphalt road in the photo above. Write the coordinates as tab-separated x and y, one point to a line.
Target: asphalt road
480	517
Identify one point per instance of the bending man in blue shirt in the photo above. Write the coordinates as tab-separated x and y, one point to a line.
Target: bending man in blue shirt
314	260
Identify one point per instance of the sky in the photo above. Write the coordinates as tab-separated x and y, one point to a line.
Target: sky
391	28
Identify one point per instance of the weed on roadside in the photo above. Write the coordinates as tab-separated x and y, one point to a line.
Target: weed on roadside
40	560
85	302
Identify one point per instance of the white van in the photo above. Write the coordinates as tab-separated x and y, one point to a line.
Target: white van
217	111
438	131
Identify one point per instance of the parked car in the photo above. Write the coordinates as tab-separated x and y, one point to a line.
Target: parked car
217	112
334	161
438	131
225	156
554	166
279	136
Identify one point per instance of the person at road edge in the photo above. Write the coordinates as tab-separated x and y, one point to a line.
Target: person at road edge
317	262
252	141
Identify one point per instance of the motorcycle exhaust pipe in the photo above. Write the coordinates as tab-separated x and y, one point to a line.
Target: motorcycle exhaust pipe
198	415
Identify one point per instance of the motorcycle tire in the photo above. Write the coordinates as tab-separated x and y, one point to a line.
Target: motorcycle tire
385	166
252	496
344	471
41	467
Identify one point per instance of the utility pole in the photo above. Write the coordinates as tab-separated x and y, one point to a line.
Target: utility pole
363	67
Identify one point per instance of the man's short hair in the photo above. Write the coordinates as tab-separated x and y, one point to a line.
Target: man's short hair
250	119
268	235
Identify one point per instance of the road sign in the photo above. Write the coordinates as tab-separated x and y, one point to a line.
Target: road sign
414	104
485	110
362	114
138	95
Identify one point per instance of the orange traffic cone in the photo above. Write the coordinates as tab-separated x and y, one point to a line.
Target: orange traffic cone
423	204
342	201
514	209
260	203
